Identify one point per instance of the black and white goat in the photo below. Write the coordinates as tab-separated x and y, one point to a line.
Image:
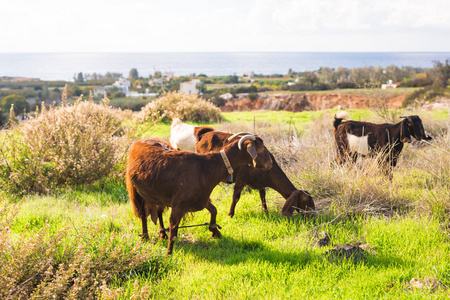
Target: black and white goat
355	138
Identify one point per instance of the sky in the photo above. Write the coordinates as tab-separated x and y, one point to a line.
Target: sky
224	26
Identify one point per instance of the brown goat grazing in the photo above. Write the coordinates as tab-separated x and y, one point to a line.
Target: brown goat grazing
259	179
159	176
361	138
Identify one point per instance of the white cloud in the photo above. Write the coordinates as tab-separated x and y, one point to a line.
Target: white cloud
234	25
349	15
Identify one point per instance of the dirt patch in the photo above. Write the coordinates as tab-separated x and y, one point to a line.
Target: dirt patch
305	101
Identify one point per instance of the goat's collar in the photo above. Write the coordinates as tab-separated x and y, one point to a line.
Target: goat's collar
228	166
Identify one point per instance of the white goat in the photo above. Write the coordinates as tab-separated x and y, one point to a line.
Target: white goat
182	135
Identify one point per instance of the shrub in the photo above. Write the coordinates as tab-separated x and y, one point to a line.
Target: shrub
253	96
244	89
417	82
71	144
70	263
19	102
346	85
424	94
302	86
180	105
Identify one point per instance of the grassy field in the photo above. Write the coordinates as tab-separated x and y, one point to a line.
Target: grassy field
90	236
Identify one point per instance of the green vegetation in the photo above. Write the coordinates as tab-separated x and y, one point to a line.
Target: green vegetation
18	102
81	240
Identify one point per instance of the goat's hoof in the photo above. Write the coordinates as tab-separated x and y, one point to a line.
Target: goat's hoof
231	214
216	233
144	237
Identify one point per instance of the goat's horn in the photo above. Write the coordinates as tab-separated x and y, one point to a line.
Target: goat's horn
237	134
403	117
244	138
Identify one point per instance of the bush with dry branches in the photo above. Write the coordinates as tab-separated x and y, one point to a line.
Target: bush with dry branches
69	263
67	144
183	106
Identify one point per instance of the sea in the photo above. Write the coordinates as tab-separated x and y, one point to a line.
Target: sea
63	66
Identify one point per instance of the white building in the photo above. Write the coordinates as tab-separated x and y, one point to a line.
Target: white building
147	93
156	82
388	85
123	84
249	74
100	90
190	87
226	96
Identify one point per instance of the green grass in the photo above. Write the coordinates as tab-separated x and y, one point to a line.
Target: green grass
262	255
266	256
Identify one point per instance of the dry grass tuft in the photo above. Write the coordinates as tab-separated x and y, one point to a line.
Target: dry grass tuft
308	159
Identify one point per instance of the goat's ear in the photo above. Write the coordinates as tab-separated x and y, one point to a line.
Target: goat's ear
251	149
405	136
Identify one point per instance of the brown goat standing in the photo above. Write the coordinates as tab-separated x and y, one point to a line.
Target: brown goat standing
159	176
211	140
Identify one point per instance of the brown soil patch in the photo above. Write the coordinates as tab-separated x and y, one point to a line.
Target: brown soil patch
305	101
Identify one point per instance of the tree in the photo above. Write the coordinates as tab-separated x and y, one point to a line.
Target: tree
200	87
19	101
311	78
79	77
231	79
133	74
440	74
158	74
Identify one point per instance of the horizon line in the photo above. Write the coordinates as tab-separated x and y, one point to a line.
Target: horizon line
145	52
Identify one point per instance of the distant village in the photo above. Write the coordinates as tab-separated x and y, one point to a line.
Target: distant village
233	92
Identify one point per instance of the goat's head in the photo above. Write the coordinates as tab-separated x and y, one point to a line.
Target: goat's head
412	126
299	200
259	153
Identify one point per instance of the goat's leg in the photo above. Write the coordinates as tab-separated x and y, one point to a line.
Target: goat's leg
238	187
162	232
144	228
340	155
174	222
354	157
212	224
386	166
262	195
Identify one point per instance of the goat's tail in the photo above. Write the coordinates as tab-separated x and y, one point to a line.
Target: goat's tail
138	209
340	116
